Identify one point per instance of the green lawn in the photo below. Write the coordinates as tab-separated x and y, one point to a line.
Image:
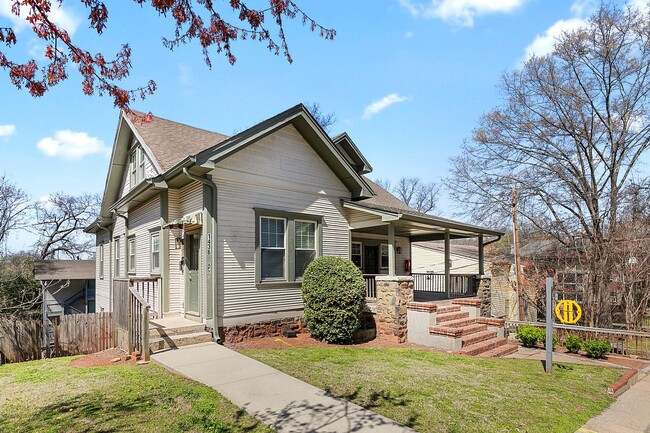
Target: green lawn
51	396
435	392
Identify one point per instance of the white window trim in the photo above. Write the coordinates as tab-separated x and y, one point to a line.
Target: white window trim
153	269
117	257
315	249
131	259
285	249
101	261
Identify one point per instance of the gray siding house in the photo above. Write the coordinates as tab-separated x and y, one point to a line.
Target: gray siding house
219	229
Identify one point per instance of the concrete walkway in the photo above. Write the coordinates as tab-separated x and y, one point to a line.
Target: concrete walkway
630	413
280	401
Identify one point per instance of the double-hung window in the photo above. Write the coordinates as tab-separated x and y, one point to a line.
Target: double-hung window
155	253
272	247
356	254
133	173
101	261
384	256
116	254
305	245
131	254
140	164
287	242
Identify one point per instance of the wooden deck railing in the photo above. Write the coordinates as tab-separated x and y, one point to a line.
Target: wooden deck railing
371	286
622	342
131	315
149	290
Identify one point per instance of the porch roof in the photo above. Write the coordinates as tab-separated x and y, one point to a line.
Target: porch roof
412	224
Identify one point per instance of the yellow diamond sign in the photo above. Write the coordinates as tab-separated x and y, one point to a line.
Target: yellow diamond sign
568	311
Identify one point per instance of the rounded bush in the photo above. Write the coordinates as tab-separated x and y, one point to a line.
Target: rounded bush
334	294
530	335
597	348
573	343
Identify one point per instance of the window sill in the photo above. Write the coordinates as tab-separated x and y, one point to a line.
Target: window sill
155	273
273	284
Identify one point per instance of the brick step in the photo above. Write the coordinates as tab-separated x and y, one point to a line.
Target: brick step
483	346
448	309
500	351
473	328
159	331
477	337
459	323
443	319
173	341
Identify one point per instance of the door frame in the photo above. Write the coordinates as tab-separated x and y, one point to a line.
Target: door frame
193	315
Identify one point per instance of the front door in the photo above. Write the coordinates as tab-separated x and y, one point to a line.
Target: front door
193	278
370	261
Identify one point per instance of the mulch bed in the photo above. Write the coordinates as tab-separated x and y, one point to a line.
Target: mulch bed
103	358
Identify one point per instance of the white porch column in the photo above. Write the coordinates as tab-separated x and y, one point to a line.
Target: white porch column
481	257
447	267
391	249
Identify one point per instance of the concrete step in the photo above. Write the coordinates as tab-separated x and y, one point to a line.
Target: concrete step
173	341
473	328
448	309
483	346
443	319
459	323
500	351
477	337
157	331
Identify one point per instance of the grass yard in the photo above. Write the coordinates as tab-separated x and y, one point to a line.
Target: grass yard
436	392
52	396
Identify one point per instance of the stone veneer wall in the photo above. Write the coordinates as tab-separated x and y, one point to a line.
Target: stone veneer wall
484	293
393	295
269	328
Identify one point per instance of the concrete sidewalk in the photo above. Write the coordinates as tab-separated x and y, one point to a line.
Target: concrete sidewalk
280	401
630	413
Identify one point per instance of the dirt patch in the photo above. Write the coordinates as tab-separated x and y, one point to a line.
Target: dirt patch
304	339
103	358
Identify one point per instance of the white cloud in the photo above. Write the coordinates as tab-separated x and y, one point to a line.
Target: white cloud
544	43
382	104
59	15
7	130
71	145
461	12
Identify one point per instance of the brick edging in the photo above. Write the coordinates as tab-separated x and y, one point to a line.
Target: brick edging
616	388
491	321
472	302
426	307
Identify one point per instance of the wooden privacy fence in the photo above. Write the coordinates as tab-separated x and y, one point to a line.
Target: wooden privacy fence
622	342
75	334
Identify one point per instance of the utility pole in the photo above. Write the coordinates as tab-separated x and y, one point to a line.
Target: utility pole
515	231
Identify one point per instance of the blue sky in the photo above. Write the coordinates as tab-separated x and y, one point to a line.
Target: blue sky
407	79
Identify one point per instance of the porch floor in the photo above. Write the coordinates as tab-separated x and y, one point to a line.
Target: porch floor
171	322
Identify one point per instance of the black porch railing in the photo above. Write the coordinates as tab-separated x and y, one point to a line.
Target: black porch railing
459	285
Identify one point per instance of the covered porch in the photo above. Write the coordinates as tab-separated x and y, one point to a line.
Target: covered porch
381	238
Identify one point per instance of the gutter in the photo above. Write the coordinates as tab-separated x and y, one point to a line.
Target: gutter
213	253
492	241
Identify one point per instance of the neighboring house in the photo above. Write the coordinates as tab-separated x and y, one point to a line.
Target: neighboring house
220	229
69	286
430	257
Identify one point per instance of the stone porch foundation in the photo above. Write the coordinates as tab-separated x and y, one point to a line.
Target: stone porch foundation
393	295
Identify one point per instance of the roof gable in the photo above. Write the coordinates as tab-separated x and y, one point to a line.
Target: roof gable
345	144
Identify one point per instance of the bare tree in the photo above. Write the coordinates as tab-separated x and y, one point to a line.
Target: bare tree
569	137
20	293
423	197
14	204
59	223
325	120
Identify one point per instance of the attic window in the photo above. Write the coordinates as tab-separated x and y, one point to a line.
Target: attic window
136	165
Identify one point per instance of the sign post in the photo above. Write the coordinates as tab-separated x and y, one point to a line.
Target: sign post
549	325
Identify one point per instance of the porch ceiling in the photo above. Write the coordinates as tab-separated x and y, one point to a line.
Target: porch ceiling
414	225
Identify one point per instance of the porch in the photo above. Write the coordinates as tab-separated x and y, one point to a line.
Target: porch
430	286
381	237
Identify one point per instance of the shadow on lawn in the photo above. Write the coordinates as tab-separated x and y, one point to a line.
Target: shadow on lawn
341	415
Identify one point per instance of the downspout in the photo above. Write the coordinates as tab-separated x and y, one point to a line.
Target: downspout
483	245
213	256
110	265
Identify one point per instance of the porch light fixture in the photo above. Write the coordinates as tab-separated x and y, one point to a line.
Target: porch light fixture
398	250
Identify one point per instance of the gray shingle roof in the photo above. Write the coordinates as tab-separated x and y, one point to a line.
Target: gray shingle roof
46	270
170	142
